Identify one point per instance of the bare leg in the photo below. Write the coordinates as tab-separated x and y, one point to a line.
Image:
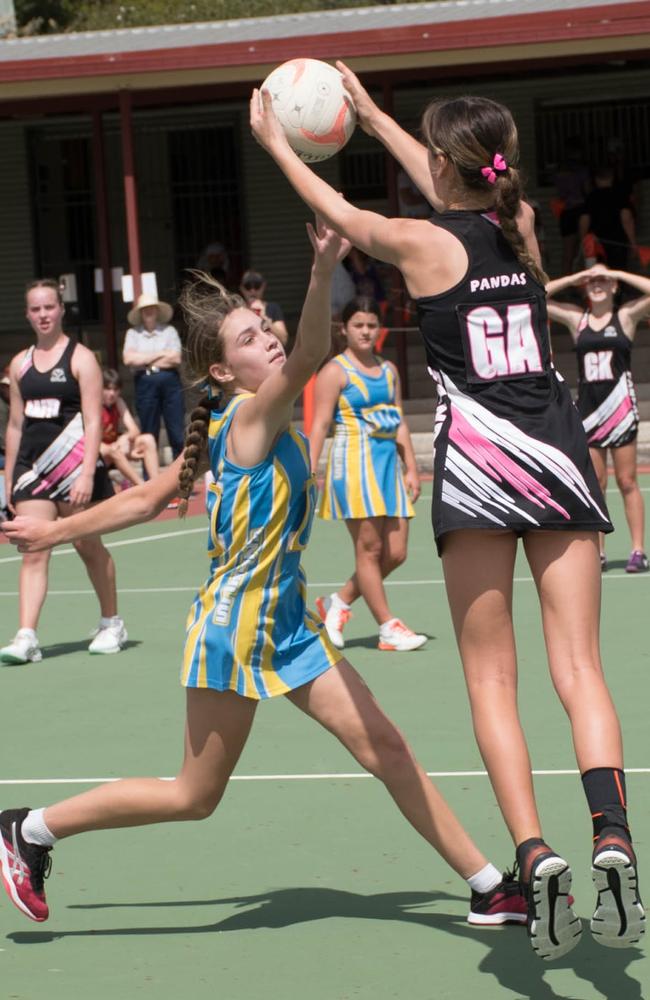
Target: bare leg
567	575
99	567
32	585
369	545
393	553
218	724
147	449
340	700
117	458
478	568
599	461
625	470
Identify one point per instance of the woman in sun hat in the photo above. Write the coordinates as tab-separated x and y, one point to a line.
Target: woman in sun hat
152	350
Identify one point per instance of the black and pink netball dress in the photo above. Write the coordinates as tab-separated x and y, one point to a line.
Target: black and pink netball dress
510	450
51	447
606	397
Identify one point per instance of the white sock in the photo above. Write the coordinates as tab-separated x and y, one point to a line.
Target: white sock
338	603
107	622
387	626
486	879
28	633
36	831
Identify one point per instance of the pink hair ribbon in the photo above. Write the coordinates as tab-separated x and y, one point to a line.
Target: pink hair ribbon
499	165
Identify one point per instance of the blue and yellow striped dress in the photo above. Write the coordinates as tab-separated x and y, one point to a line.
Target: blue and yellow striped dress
364	473
249	629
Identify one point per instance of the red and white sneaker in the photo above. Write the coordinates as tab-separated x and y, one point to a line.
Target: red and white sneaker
23	866
335	617
505	904
396	637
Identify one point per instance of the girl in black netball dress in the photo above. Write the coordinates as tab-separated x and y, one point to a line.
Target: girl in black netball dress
603	337
511	460
52	463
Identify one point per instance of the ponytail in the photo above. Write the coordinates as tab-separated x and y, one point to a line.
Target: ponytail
195	445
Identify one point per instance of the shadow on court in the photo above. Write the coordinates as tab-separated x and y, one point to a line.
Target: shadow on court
509	958
370	642
80	646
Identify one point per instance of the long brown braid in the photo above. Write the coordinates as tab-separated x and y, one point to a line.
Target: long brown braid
205	304
470	131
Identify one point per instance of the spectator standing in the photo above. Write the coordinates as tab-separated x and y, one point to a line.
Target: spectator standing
572	183
152	350
608	216
214	261
253	290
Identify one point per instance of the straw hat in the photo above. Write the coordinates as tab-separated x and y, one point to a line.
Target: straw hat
165	311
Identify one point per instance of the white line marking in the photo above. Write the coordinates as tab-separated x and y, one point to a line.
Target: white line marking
334	776
312	586
125	541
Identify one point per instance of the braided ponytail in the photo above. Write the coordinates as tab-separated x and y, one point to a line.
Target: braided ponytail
507	191
196	440
205	304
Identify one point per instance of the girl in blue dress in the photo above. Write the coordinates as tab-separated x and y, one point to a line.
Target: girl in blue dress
364	482
250	635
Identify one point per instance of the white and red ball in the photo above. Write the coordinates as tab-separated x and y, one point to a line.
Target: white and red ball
312	106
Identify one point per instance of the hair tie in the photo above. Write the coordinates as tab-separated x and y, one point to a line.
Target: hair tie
499	165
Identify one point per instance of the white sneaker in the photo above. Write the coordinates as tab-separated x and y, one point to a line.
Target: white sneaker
397	638
109	638
23	648
335	617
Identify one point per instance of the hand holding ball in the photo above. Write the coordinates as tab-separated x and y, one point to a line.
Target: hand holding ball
312	106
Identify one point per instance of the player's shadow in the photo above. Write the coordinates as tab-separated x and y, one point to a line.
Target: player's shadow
508	956
615	564
79	646
370	642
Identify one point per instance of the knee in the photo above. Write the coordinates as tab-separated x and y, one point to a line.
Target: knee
387	754
577	676
196	804
394	558
91	549
627	484
370	551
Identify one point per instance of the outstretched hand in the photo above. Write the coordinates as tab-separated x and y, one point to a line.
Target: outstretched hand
329	246
265	126
367	110
29	534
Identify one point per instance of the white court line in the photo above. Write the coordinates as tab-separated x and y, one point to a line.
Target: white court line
334	776
313	586
125	541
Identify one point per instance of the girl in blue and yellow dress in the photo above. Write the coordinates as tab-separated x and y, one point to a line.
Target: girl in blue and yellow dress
364	482
250	635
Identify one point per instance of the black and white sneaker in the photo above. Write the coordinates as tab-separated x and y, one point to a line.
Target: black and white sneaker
553	928
619	917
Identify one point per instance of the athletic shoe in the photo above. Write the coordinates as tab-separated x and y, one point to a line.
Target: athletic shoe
619	917
505	904
109	638
553	927
394	636
637	563
23	866
603	563
335	618
23	648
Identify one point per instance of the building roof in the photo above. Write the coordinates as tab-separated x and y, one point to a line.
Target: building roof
441	31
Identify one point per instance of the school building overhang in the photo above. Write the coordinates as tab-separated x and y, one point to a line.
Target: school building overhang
395	42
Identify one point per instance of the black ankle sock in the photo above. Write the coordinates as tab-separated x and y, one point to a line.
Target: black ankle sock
607	797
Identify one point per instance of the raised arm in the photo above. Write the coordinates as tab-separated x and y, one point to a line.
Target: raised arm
259	420
142	503
410	153
566	313
634	311
329	383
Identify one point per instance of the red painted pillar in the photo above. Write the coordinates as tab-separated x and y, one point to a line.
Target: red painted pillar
130	191
103	238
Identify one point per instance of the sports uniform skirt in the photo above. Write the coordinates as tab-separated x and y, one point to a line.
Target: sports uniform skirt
609	412
529	471
363	479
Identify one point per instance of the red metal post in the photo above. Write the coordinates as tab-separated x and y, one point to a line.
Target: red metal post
130	191
104	240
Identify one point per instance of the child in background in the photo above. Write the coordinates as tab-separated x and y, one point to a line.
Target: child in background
364	482
119	449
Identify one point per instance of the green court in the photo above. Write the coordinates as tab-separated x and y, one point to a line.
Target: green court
306	882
